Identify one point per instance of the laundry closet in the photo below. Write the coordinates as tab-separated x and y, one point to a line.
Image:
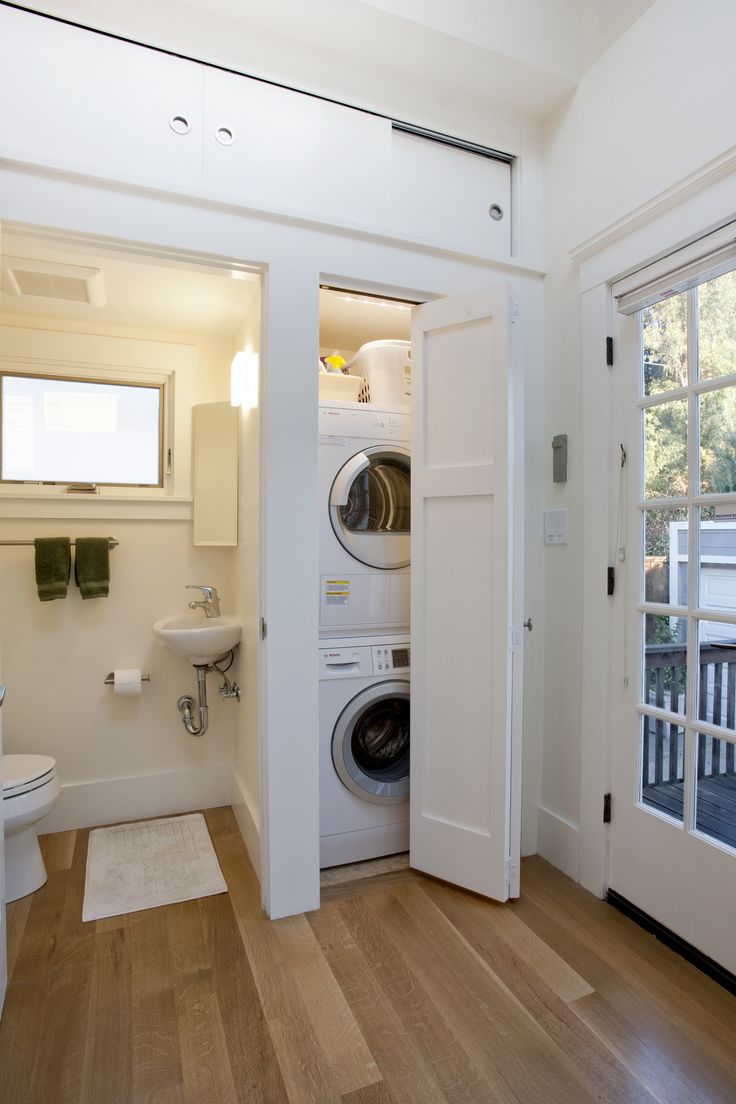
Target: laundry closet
364	496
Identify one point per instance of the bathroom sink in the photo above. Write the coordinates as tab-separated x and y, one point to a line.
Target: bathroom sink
200	639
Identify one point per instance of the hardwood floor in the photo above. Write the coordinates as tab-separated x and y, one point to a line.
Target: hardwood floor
400	990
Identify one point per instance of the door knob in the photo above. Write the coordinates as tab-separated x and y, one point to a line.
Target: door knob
2	694
529	624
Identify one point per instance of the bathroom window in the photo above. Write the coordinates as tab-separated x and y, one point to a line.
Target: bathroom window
58	429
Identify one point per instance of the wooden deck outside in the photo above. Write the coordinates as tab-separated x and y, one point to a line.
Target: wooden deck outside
715	808
400	990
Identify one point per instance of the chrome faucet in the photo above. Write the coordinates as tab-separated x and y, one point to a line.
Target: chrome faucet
210	602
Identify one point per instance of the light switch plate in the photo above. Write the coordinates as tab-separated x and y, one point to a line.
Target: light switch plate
555	526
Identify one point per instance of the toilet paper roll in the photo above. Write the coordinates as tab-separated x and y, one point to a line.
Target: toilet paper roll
127	682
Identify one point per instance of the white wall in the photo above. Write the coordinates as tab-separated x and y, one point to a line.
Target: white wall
117	757
656	106
247	765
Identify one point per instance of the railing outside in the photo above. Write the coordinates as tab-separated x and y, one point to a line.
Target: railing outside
664	687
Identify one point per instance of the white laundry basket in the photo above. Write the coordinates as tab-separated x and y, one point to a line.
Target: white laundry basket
386	366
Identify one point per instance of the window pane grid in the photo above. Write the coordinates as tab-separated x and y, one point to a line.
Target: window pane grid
687	599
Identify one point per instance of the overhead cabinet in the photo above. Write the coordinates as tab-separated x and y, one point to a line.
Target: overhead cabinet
85	102
88	103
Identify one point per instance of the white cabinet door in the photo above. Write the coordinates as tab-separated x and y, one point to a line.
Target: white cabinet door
443	194
273	148
78	100
466	650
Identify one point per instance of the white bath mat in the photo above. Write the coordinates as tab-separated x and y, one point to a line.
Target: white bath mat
138	866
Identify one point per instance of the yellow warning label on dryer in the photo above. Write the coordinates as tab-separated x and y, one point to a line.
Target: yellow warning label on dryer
337	592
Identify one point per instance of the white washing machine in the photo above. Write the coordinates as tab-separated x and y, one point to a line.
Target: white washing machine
364	534
364	748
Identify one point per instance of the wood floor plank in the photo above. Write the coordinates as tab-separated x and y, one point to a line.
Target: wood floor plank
108	1066
59	1059
675	1029
58	850
205	1063
651	1064
372	1094
505	1042
484	924
400	1061
157	1073
645	957
442	1051
16	916
45	913
306	1071
256	1072
20	1037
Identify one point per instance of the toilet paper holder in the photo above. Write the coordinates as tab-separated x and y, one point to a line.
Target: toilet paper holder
110	680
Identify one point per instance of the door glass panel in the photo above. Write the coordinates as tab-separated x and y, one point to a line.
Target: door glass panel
717	326
379	499
665	450
664	333
718	441
717	576
380	740
662	766
665	662
715	789
665	556
717	674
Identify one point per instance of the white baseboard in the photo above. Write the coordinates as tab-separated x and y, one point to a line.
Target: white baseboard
111	800
248	820
559	842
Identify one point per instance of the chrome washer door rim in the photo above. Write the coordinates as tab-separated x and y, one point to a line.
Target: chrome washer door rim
349	772
382	549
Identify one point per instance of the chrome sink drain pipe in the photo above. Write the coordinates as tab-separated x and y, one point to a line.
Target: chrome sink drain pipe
186	704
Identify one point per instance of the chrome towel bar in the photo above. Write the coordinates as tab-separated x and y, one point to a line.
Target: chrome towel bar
110	540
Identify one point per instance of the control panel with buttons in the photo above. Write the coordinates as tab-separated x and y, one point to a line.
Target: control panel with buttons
387	658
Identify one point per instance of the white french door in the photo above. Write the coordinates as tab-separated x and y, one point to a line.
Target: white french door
673	680
466	595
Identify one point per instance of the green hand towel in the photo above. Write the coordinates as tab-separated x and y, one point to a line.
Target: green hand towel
53	567
92	566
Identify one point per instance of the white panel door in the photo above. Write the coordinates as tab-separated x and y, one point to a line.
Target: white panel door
78	100
466	650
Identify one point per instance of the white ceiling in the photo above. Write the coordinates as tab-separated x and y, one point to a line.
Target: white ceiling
138	290
446	64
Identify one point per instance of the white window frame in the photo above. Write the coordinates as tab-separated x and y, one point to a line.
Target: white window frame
40	370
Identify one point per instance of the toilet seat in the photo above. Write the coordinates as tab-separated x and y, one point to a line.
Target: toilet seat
24	773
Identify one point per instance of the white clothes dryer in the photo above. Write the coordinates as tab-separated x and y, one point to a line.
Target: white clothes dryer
364	748
365	514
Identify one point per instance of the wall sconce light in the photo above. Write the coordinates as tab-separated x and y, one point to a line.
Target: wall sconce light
244	380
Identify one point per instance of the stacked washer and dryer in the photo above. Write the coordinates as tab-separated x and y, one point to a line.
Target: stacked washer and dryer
364	652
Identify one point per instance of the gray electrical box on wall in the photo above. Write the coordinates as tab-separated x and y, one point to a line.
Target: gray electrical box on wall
559	458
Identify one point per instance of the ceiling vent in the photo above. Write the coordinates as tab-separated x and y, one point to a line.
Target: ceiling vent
52	280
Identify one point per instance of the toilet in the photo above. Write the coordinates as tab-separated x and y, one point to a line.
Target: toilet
30	790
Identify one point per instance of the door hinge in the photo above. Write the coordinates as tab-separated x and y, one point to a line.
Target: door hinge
609	352
512	871
607	808
264	629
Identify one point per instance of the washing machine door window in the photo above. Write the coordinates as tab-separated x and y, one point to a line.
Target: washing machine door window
370	506
370	743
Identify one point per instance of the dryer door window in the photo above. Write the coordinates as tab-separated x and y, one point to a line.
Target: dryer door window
370	506
370	744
